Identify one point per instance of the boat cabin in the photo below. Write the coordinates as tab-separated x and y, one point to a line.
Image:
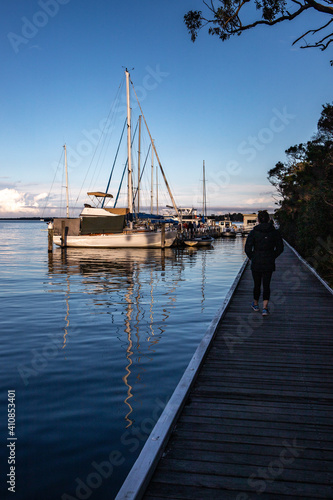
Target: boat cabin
224	224
249	221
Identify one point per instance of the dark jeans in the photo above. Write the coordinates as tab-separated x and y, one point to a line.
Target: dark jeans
265	278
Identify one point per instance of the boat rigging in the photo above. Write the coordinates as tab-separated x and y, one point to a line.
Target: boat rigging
113	228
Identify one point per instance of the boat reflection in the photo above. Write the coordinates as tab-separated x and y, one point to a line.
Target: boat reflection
129	354
123	282
67	312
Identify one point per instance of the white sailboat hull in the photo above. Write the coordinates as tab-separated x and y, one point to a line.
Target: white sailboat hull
140	239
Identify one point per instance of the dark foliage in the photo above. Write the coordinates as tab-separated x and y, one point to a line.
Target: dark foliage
225	18
305	184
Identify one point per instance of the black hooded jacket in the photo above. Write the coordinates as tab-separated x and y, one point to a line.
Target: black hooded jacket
263	245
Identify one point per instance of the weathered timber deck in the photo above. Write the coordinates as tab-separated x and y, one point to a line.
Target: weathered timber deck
257	421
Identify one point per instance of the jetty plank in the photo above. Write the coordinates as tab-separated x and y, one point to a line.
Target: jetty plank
257	420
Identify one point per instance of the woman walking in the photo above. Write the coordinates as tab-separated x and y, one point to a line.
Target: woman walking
263	245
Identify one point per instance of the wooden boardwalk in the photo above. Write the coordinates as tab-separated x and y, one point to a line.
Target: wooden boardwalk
257	422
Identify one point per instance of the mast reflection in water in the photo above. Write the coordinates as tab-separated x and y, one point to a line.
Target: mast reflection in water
94	344
126	279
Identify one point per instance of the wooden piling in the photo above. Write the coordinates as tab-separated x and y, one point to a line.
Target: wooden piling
163	236
50	232
64	231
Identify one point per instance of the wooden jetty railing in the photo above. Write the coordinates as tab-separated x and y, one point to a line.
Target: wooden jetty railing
252	414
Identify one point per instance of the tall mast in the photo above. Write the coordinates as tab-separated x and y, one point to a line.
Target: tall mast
66	173
157	157
204	192
139	163
152	180
156	190
129	162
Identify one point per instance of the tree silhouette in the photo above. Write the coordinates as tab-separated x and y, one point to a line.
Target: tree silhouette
305	185
231	17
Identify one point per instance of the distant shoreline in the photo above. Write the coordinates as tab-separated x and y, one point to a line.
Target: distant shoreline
44	219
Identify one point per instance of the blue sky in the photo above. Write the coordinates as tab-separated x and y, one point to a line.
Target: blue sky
237	105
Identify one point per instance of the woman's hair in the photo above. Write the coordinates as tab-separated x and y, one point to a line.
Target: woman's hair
263	216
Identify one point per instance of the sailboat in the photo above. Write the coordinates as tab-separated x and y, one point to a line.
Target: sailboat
204	240
99	227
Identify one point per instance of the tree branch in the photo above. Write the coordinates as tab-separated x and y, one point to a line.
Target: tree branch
320	7
298	3
313	32
211	8
226	21
327	202
288	17
236	14
318	45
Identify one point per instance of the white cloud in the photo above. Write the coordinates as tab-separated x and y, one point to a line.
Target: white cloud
12	202
40	196
259	201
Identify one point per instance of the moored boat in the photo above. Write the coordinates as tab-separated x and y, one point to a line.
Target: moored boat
249	221
202	241
205	241
191	243
228	233
227	229
105	230
99	227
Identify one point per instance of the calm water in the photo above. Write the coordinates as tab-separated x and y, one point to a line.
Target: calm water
94	343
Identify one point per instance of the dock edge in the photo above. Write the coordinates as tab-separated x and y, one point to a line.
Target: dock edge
310	268
139	476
